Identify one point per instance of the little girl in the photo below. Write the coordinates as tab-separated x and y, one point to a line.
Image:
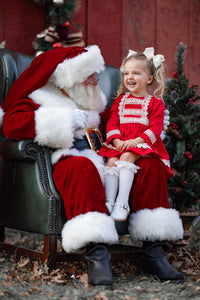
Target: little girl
134	127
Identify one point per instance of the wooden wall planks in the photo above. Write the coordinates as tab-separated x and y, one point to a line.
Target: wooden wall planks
116	26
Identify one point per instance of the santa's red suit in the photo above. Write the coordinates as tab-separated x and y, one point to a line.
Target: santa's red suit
36	108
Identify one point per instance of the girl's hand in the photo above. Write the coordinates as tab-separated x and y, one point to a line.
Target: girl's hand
132	143
118	144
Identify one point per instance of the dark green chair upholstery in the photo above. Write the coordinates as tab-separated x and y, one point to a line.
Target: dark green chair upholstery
29	199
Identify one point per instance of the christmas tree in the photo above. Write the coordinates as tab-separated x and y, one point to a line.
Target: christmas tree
60	31
183	137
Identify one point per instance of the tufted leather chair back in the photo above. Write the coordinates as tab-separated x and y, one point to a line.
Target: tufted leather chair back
12	64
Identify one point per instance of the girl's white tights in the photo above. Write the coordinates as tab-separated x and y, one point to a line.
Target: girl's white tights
119	209
111	186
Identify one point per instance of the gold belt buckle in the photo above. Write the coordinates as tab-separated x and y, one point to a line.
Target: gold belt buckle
88	134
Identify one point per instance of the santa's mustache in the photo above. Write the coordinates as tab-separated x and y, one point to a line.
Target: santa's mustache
87	97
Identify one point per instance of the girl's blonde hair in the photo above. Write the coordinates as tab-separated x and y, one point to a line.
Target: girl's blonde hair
158	74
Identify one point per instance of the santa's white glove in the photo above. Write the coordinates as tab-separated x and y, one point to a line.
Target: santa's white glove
79	134
166	119
79	119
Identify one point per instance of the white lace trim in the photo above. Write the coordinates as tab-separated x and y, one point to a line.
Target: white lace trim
151	135
112	132
166	162
143	145
111	171
142	113
121	164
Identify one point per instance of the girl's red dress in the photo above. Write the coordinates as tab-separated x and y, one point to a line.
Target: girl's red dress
133	117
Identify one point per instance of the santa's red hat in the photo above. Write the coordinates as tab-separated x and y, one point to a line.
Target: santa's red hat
64	67
78	68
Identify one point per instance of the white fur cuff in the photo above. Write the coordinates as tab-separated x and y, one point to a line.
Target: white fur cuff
54	127
90	227
156	224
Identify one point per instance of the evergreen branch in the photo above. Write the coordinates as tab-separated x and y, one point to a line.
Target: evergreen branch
179	58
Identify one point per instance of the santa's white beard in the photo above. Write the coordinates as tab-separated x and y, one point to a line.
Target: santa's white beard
87	97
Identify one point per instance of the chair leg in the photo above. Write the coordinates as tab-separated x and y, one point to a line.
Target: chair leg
48	256
50	251
2	233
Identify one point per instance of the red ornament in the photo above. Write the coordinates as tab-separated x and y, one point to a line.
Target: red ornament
57	45
188	154
190	101
174	126
183	182
175	74
66	24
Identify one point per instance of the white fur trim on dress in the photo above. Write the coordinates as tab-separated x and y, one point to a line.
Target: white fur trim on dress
1	116
156	224
90	227
77	69
53	127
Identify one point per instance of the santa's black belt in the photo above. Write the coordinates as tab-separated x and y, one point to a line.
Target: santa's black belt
91	140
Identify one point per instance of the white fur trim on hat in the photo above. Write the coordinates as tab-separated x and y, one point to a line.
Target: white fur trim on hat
77	69
90	227
1	116
156	225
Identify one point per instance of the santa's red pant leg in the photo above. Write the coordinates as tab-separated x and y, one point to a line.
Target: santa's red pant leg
151	217
81	189
150	185
80	186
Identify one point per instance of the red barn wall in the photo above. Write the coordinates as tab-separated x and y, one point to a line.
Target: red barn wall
22	20
116	26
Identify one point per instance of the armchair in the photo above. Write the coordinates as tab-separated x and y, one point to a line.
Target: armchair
26	183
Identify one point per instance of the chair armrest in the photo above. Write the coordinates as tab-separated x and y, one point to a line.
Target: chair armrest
15	150
26	181
24	150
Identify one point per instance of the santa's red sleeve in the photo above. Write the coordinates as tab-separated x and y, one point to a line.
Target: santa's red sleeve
49	126
19	120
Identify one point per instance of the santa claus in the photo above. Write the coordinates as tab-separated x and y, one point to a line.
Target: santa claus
54	102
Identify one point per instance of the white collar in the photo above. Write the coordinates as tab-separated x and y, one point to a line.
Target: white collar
50	95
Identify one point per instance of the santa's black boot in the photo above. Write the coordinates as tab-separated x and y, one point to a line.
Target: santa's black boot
155	262
99	270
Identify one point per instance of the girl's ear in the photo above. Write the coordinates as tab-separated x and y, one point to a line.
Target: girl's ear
150	79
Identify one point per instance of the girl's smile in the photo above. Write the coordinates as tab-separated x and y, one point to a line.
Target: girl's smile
136	77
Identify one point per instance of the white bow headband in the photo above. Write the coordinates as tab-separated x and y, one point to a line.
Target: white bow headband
149	53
